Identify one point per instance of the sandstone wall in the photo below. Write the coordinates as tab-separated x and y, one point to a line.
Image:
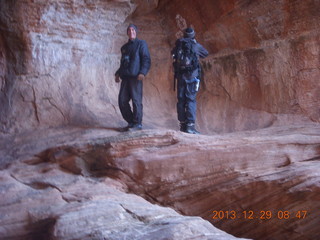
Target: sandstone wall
264	64
58	59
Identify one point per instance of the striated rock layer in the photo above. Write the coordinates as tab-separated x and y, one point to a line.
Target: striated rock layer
58	205
58	194
259	185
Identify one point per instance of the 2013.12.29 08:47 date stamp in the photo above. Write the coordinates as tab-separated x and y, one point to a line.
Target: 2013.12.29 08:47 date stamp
260	215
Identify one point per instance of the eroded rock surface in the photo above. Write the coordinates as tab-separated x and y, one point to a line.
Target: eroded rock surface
43	202
66	191
61	193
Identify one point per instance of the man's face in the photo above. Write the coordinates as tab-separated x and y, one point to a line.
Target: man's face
132	34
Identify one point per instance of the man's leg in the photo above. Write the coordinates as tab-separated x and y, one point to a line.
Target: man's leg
136	91
181	104
123	100
191	108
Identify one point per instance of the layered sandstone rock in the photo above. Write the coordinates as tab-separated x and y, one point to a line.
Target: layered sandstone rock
66	191
58	205
58	193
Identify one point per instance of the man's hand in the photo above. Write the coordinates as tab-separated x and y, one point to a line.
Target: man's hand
117	78
140	77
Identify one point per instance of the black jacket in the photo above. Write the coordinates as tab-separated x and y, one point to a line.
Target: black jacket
135	59
201	53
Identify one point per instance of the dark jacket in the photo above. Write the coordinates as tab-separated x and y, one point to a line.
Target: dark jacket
135	59
199	50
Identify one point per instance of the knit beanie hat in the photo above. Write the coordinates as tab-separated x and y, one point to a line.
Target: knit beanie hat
133	26
189	33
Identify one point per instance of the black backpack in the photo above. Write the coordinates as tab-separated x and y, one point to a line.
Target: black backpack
185	57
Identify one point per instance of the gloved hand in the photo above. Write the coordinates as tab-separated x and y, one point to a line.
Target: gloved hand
140	77
117	78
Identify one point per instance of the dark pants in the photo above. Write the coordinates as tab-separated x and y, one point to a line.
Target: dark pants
131	89
187	105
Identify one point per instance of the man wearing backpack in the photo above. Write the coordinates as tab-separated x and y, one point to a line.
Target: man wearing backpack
134	66
186	55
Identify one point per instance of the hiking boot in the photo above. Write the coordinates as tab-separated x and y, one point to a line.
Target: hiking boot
190	128
183	126
135	127
130	125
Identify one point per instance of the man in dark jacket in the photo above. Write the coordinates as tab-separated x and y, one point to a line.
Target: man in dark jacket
188	83
134	66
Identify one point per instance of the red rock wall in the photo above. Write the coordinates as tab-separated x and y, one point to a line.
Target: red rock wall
68	57
264	62
58	60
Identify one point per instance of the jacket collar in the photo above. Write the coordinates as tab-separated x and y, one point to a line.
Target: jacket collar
132	41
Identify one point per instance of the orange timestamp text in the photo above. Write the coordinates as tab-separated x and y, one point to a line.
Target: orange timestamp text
260	215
